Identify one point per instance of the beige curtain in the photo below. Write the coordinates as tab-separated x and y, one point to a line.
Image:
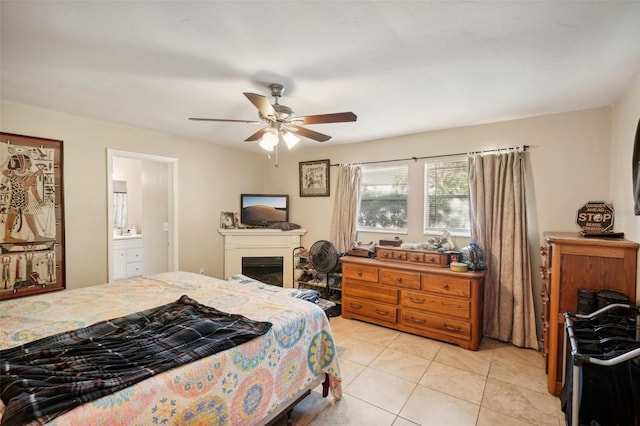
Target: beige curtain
345	207
499	226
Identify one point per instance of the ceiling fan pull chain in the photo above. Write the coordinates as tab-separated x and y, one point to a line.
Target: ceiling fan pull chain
276	148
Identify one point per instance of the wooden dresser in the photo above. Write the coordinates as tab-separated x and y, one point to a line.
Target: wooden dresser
418	298
571	262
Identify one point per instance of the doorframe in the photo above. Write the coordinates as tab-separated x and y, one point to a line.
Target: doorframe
172	207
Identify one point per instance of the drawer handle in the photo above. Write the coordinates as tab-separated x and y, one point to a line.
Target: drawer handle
359	273
445	286
416	257
379	312
419	321
419	301
432	259
448	327
543	272
355	306
399	279
385	254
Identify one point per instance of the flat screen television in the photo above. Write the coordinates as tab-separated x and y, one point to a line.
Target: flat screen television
261	210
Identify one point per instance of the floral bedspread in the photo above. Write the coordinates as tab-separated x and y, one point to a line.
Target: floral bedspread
239	386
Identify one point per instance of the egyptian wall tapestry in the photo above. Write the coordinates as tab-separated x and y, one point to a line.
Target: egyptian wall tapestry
31	216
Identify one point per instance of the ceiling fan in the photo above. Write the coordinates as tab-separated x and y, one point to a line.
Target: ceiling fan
282	123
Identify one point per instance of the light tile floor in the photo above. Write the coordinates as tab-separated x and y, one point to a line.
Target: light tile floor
395	378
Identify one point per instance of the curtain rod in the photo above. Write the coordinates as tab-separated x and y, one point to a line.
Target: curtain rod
488	151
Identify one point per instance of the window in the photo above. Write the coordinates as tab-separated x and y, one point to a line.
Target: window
383	198
446	197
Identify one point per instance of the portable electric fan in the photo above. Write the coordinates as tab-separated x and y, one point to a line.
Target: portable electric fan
323	256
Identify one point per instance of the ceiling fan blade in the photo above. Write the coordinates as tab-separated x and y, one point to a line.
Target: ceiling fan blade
262	103
257	135
320	137
338	117
224	120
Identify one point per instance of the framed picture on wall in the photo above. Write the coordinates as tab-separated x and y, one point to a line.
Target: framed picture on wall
32	216
314	178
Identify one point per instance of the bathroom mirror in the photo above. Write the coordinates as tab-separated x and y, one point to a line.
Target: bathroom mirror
119	204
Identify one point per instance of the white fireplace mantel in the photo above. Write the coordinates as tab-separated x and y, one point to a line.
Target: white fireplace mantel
239	243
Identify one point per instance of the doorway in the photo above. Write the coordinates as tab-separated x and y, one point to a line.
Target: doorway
151	191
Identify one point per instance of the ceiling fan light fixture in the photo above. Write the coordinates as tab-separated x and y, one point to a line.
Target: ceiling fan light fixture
265	145
290	139
269	140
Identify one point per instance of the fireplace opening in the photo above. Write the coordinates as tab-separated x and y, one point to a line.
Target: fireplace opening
268	269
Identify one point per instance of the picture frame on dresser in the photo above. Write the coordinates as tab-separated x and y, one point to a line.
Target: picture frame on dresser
314	178
228	220
32	233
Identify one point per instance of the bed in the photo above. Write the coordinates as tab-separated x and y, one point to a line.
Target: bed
250	384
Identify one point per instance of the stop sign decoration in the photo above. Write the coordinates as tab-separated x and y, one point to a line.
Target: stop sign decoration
595	217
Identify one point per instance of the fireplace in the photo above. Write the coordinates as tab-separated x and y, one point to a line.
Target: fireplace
261	243
268	269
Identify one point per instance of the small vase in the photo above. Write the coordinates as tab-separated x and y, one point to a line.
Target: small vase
473	256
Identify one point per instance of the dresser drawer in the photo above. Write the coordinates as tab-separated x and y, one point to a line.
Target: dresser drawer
360	272
384	254
377	311
545	305
390	254
414	299
369	291
460	308
398	278
436	259
424	321
134	255
446	285
399	255
416	257
134	269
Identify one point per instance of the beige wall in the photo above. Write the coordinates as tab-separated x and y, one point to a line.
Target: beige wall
572	161
569	164
205	186
624	121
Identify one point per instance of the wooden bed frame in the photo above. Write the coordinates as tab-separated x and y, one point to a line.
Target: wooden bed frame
288	409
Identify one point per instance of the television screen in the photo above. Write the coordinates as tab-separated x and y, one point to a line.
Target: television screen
263	209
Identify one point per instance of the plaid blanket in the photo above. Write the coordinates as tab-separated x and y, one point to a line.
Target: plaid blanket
45	378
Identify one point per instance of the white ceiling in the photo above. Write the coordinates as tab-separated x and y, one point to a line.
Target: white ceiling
402	66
